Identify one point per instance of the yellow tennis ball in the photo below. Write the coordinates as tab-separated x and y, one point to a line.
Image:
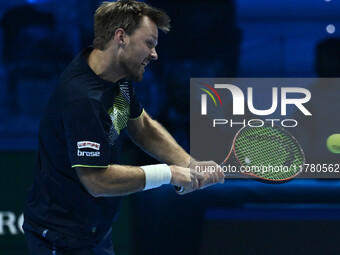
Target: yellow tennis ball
333	143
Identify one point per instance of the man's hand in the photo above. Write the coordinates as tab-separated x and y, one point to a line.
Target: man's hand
201	174
212	173
186	178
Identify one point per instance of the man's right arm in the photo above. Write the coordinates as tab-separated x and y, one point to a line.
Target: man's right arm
118	180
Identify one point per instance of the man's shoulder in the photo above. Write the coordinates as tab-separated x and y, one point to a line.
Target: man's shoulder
74	81
79	82
77	71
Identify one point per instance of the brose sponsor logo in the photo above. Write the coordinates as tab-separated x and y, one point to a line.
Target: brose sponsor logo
88	153
88	145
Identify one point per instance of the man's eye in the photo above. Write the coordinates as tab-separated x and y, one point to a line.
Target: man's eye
149	44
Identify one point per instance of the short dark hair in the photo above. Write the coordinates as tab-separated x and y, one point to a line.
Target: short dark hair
125	14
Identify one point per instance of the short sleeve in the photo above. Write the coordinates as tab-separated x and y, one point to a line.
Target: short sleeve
136	108
87	128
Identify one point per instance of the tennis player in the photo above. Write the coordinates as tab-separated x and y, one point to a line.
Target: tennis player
75	194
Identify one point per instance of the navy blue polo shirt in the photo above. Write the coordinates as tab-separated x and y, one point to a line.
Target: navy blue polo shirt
80	127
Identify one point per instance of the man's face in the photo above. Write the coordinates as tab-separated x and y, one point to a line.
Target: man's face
140	49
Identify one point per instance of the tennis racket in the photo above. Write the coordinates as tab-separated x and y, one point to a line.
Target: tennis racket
269	153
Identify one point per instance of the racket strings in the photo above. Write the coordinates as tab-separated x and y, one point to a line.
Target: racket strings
259	144
268	152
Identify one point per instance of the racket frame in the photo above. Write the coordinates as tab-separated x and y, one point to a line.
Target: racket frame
242	174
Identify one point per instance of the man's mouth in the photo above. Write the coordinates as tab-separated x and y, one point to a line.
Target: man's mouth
145	63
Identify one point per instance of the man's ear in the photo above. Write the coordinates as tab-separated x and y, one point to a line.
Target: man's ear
120	36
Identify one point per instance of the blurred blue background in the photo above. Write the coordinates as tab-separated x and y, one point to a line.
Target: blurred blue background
240	38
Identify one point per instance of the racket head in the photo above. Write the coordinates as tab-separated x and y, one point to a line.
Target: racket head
268	152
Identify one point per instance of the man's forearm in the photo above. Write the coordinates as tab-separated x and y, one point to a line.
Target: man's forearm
115	180
157	141
118	180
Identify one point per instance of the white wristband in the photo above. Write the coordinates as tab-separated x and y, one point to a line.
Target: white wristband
156	175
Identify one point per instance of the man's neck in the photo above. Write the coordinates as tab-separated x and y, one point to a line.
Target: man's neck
102	64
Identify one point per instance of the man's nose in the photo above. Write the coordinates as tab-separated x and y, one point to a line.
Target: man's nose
153	54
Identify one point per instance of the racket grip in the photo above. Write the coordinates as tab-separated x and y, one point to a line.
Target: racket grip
179	189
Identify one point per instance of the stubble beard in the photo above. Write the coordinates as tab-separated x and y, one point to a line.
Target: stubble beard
133	71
